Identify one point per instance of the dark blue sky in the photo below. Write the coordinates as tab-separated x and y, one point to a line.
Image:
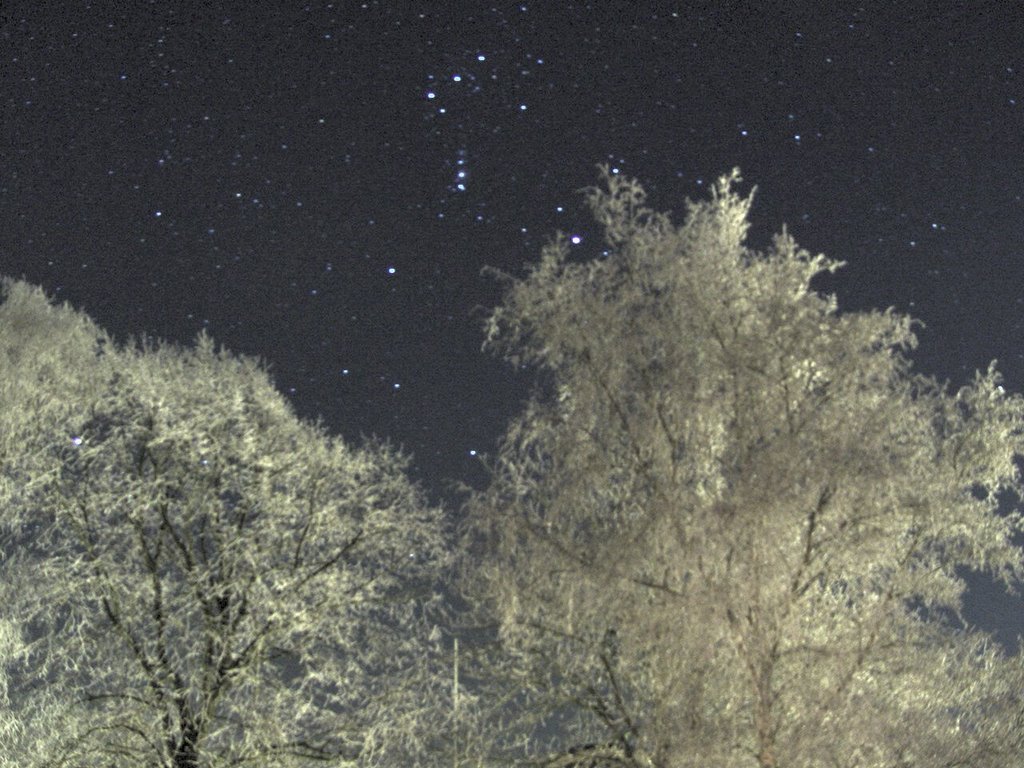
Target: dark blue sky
321	184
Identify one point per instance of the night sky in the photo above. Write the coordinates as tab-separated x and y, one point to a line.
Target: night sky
321	184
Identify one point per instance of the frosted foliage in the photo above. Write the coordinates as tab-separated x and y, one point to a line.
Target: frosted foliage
50	357
203	579
727	531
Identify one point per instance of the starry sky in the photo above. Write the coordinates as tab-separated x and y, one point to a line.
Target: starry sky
321	184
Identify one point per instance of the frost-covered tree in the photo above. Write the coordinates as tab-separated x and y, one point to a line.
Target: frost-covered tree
199	578
731	528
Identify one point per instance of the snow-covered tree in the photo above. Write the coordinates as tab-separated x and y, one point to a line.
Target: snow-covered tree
731	529
201	578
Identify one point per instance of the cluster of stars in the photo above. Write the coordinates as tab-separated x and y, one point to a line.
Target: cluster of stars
452	98
461	175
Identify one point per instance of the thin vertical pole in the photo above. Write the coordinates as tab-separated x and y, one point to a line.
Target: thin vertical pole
455	700
455	678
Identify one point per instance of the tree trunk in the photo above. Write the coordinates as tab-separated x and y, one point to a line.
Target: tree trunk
186	754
